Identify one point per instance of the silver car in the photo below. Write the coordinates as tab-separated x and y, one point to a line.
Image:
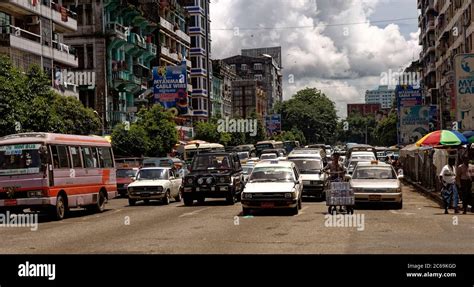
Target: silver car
376	182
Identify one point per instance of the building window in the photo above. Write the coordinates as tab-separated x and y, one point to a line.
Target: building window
88	14
203	43
194	42
195	104
90	56
244	67
80	56
80	15
193	21
258	77
258	66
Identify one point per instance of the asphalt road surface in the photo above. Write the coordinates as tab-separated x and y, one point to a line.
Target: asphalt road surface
215	228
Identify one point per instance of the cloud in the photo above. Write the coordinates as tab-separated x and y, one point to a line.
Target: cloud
328	44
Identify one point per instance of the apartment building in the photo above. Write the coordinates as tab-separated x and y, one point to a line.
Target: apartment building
382	95
248	98
264	69
226	76
452	25
32	33
200	54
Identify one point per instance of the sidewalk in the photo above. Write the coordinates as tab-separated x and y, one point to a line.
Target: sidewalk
430	193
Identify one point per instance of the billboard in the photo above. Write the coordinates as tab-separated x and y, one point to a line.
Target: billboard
170	88
464	90
413	116
273	124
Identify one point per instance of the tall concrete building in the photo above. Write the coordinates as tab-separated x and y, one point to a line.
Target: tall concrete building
121	41
200	54
32	32
261	68
274	52
447	30
248	98
225	75
382	95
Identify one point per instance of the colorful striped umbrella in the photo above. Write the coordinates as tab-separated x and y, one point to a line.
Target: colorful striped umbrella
469	135
442	137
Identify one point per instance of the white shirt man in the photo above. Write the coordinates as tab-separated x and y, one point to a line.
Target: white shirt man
448	174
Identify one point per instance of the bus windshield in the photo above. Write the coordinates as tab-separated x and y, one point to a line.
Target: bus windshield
19	159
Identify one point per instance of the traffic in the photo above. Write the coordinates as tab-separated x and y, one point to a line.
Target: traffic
54	173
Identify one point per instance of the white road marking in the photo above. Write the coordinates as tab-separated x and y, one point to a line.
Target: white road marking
194	212
402	213
301	211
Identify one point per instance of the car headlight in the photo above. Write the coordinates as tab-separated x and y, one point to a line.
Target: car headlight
201	180
35	193
190	180
222	179
209	180
248	195
289	195
130	189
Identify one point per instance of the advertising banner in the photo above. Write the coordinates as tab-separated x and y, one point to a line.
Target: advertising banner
273	124
170	88
464	90
413	117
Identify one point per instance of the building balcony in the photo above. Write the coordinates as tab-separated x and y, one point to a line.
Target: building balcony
64	19
62	53
173	29
152	48
171	54
29	42
68	90
118	30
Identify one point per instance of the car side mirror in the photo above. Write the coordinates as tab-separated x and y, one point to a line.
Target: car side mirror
133	178
348	177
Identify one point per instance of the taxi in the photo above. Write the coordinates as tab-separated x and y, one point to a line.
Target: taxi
376	182
273	184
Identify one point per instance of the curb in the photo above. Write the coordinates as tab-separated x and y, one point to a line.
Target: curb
429	193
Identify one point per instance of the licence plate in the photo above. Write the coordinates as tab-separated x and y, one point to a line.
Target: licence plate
268	204
145	195
10	202
375	197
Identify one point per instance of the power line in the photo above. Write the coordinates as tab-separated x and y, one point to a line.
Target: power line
311	26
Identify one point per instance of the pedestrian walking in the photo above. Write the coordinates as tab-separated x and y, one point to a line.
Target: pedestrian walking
449	190
464	178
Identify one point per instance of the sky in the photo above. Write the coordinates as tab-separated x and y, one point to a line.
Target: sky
341	47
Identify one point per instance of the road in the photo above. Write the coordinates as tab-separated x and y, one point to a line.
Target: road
215	228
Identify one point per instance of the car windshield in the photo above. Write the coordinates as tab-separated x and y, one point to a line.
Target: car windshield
268	156
152	174
211	162
19	159
374	173
247	170
308	165
125	173
243	155
266	174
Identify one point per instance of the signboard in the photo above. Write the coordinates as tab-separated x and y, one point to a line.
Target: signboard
185	133
170	88
273	124
464	90
413	116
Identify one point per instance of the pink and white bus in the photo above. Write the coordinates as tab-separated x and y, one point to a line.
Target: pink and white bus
55	172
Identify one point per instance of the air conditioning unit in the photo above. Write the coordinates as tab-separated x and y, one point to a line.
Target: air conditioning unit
32	20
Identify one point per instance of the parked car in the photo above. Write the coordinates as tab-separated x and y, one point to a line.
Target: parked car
246	171
155	183
273	184
376	182
213	175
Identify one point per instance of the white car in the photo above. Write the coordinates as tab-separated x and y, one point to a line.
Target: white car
376	182
273	184
313	179
267	156
155	183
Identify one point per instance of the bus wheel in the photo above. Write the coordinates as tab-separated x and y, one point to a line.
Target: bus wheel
101	199
58	212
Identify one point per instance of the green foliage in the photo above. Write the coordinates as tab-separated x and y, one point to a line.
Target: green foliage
311	112
358	127
28	99
131	143
386	130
